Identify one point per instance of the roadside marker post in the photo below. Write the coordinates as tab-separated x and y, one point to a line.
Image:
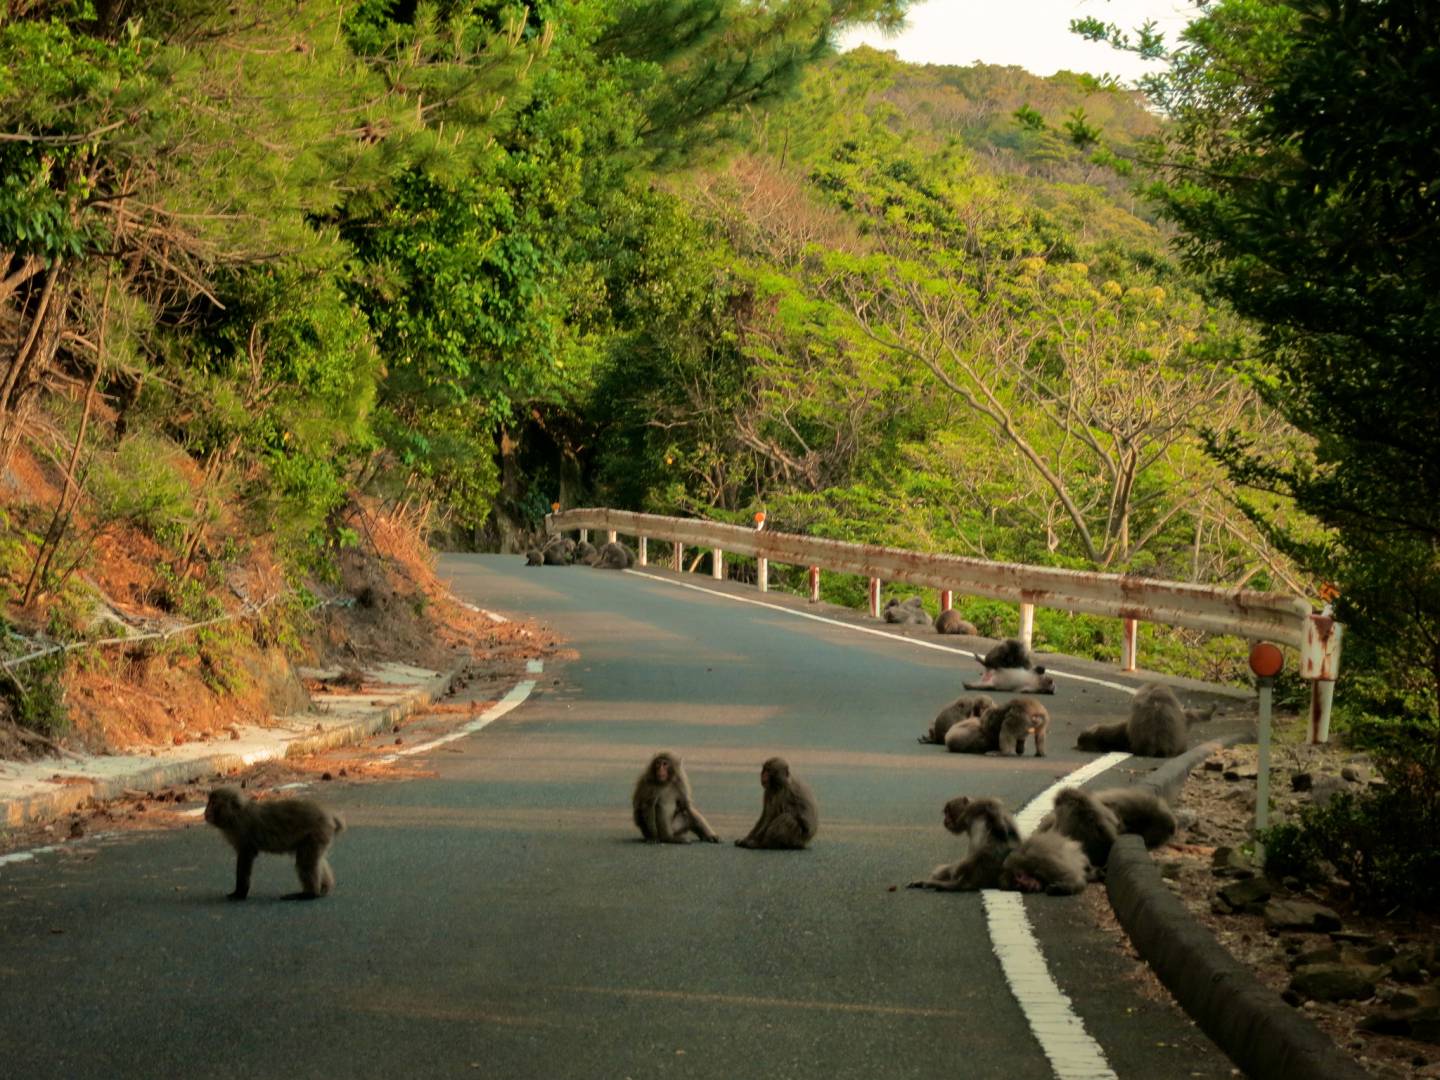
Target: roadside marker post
1265	661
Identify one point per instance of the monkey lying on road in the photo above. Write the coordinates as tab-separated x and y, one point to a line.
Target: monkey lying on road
278	826
1009	666
962	708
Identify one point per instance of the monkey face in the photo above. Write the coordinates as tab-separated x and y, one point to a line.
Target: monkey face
661	770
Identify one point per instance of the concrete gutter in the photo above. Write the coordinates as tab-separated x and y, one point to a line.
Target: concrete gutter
1266	1038
39	791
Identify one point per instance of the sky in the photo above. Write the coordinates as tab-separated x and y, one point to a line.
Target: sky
1033	34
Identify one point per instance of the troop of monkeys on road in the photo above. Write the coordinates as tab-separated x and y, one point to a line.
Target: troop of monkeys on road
1065	852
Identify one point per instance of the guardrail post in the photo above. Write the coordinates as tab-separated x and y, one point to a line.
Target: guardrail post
1027	623
874	597
610	536
677	551
1320	664
814	584
643	555
947	599
762	573
1129	644
717	564
584	535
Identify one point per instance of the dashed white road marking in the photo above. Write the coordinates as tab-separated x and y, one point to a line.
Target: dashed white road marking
534	667
867	629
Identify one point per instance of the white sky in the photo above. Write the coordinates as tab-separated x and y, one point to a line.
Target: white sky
1033	34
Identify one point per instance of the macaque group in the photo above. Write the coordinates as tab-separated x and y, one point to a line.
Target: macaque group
908	612
279	826
562	551
1158	726
1010	667
997	858
1001	729
664	810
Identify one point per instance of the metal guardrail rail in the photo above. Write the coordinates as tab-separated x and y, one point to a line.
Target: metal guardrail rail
1243	612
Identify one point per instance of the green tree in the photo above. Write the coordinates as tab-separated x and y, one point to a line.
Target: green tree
1300	170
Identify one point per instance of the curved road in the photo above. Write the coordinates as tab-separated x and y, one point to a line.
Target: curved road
500	919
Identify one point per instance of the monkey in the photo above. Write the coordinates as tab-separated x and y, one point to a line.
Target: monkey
614	556
1085	819
559	551
664	811
1142	812
992	835
1045	862
1010	666
534	557
1010	653
966	737
1001	729
962	708
950	622
906	612
1007	726
789	817
278	826
585	553
1157	727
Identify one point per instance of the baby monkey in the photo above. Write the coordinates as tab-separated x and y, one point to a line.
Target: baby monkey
279	826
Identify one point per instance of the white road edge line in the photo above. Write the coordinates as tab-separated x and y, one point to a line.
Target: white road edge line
1073	1053
517	695
866	629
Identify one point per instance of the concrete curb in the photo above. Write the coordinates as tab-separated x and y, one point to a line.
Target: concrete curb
1261	1034
49	805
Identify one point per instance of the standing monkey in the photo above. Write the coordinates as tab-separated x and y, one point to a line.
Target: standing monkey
661	801
279	826
789	817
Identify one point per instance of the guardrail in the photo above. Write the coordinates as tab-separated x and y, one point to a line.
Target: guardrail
1245	613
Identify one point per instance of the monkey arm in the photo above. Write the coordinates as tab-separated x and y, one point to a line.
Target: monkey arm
701	827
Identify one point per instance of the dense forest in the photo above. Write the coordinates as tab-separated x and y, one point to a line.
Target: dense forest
262	260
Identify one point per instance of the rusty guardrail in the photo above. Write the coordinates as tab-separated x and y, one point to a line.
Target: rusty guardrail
1246	613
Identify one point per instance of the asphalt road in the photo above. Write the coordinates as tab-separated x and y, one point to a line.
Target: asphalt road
501	919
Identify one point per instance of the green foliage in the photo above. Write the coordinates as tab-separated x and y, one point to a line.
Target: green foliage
34	697
142	481
1291	170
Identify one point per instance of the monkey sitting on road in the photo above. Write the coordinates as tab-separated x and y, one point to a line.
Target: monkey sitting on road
910	611
950	621
614	556
1001	729
558	551
1158	726
789	817
962	708
998	859
1009	666
534	557
662	803
585	553
1142	812
992	835
279	826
